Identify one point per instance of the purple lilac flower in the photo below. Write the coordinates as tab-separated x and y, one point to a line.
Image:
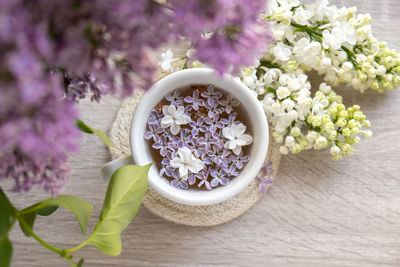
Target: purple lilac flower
194	100
198	126
203	177
219	177
154	118
264	177
230	120
212	96
174	98
239	160
160	142
179	183
153	131
239	31
202	136
229	103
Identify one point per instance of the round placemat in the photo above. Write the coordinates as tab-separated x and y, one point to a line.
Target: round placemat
183	214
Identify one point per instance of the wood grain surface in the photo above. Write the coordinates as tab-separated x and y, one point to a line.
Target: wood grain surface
318	213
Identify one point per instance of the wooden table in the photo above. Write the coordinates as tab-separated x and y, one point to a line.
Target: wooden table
318	213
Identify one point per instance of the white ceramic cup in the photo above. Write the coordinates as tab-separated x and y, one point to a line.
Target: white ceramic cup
141	155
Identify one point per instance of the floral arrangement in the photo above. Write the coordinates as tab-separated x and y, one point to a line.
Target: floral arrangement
336	43
199	137
55	53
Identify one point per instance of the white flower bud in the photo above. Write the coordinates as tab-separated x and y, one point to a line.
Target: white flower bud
293	85
295	131
293	115
284	79
326	63
288	104
367	134
289	141
284	150
335	150
342	56
282	92
276	107
381	70
321	142
347	66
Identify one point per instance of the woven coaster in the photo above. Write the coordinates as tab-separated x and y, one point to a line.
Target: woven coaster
183	214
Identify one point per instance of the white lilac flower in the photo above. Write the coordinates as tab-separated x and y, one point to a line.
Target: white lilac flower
341	33
282	52
307	53
186	162
236	137
166	59
282	92
173	118
303	15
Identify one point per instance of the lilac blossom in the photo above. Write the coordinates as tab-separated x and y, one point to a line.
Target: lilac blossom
229	103
233	26
194	100
161	144
54	53
239	160
264	178
218	178
153	131
196	156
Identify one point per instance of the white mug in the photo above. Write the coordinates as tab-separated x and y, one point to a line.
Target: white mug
141	154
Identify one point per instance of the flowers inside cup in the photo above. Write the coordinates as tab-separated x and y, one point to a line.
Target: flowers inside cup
198	137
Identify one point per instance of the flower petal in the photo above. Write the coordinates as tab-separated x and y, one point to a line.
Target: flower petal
227	132
166	121
165	110
237	150
175	128
232	144
183	170
244	140
214	182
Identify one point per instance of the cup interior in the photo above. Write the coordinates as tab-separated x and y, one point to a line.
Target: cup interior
257	126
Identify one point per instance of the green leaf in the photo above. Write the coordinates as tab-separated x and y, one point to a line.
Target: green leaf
122	201
6	250
7	212
80	208
47	210
29	219
80	263
89	130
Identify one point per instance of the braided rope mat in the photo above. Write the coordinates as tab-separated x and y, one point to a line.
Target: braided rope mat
183	214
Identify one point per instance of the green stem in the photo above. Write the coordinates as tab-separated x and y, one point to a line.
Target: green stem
269	64
63	253
84	243
350	57
311	31
71	261
41	241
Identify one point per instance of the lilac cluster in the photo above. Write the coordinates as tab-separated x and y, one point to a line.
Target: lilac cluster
233	31
54	53
36	130
210	111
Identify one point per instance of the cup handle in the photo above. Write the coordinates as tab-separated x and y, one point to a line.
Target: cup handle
108	169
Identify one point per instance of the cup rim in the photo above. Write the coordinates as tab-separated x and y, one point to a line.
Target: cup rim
141	154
